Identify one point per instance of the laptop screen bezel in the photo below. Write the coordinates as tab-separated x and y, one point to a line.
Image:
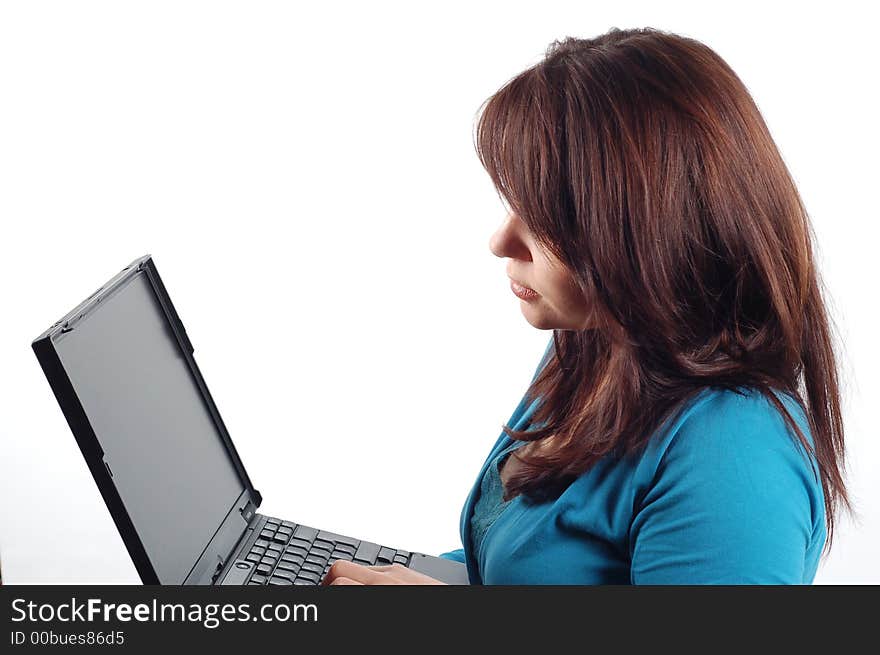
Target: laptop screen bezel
239	515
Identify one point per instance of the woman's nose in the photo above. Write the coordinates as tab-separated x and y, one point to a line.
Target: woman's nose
507	242
496	242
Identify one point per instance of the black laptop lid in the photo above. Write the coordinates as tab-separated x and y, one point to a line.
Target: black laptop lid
139	389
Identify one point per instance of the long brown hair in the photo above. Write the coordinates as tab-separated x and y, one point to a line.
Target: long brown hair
639	159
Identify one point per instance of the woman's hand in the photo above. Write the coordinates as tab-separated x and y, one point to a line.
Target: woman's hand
344	572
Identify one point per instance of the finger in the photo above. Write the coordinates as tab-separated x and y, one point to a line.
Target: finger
358	572
333	572
346	581
398	574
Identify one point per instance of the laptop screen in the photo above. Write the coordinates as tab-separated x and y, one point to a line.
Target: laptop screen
165	454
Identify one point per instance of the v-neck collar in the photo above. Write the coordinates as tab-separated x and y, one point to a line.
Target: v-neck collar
465	521
522	413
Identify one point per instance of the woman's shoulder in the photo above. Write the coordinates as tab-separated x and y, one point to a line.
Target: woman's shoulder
744	417
729	476
736	442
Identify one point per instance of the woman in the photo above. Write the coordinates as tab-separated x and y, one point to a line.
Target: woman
683	426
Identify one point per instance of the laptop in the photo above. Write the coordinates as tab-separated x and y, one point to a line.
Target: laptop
122	369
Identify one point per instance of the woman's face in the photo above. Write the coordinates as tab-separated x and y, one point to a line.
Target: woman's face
552	299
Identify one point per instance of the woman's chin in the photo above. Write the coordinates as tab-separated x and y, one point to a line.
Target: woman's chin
537	318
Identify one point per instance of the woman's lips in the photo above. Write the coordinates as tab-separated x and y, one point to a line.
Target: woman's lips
522	292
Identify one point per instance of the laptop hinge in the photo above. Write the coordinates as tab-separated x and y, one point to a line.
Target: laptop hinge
248	511
218	570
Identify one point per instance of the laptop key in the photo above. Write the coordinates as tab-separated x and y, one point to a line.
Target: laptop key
367	551
385	556
280	581
301	581
338	538
280	538
345	548
302	543
400	559
264	569
320	544
311	576
313	559
288	524
309	566
307	533
252	557
259	579
341	554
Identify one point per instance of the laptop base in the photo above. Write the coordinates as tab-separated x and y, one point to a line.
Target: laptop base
283	553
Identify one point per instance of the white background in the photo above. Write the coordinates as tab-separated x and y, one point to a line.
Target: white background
304	176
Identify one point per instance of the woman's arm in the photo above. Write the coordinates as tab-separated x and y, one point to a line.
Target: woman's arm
455	555
733	501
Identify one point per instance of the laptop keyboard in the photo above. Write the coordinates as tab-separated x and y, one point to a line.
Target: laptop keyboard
285	553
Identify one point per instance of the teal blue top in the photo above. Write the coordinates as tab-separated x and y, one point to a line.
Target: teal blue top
490	503
722	494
